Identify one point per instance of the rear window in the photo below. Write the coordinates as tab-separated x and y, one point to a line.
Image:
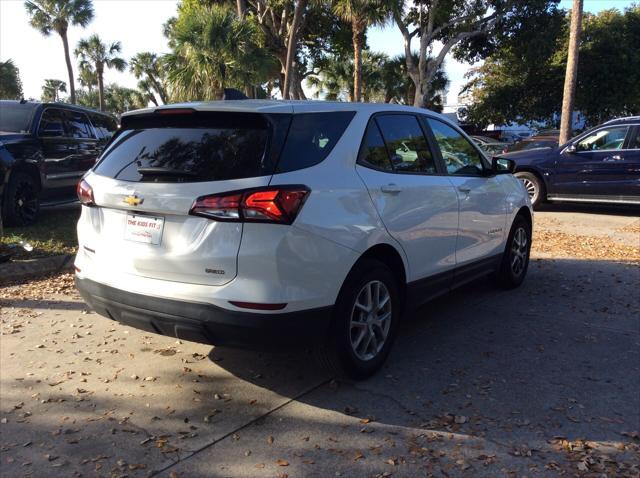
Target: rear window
219	146
180	149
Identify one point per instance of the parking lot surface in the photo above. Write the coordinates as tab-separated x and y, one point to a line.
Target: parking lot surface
543	380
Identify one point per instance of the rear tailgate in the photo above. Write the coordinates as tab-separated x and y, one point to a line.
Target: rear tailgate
147	182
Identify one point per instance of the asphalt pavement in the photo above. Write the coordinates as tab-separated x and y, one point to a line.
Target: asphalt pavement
539	381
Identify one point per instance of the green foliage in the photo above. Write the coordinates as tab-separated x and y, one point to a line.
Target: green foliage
57	15
118	99
51	90
214	49
92	52
523	81
149	69
10	84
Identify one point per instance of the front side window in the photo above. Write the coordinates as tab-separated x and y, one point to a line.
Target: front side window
603	139
104	126
459	155
406	144
52	123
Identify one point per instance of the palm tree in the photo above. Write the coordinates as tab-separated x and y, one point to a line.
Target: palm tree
10	84
147	67
100	55
51	90
87	77
361	14
55	16
213	49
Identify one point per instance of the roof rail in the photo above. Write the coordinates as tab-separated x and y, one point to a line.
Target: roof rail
623	118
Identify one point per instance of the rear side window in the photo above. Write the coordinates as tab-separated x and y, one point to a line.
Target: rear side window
406	144
77	125
311	138
459	155
105	126
189	148
52	123
374	151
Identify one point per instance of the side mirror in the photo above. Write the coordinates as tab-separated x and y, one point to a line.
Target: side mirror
502	165
571	148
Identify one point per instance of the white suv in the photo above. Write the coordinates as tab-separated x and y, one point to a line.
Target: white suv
260	222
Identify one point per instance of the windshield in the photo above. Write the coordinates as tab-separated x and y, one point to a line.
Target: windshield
16	117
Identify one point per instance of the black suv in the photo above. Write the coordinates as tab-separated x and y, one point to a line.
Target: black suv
45	148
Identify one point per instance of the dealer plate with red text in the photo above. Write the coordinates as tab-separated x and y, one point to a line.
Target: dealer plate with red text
146	229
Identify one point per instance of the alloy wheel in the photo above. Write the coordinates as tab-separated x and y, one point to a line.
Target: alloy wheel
370	320
25	203
531	188
519	251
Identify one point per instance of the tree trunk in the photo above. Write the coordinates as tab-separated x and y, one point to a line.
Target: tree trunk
293	46
358	40
242	7
72	86
100	72
568	96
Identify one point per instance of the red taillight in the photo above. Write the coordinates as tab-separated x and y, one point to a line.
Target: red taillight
175	111
85	193
272	204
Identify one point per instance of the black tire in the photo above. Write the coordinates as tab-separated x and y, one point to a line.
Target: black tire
337	353
515	259
534	186
21	201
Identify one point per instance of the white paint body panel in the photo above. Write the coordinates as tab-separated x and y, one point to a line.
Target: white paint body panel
431	224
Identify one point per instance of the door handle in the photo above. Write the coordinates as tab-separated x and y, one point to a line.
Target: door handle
615	157
390	189
465	190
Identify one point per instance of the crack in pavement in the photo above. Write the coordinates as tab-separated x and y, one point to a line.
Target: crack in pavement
242	427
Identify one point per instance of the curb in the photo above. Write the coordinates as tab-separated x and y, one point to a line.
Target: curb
20	270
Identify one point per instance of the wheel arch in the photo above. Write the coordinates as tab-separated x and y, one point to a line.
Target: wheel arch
27	168
390	256
534	171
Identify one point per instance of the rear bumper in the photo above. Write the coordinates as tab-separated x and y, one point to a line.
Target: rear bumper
205	323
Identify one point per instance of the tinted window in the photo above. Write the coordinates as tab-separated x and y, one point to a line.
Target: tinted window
459	155
232	146
406	144
374	151
52	123
636	143
16	117
104	126
311	138
603	139
77	125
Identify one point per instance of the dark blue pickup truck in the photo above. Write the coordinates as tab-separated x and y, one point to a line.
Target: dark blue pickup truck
45	148
602	165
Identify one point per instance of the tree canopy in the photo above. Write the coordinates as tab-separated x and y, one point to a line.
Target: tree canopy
522	82
10	84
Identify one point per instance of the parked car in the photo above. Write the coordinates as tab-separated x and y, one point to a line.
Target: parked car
45	148
601	165
263	222
489	145
534	142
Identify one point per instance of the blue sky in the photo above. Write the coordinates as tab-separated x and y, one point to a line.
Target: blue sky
138	25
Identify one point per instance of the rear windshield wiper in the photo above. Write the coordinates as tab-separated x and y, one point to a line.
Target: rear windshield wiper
160	171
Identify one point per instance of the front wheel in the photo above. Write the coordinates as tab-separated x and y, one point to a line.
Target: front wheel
515	259
364	323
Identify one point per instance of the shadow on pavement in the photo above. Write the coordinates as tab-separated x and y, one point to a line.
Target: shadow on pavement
603	209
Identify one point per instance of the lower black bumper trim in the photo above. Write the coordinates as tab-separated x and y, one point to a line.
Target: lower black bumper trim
205	323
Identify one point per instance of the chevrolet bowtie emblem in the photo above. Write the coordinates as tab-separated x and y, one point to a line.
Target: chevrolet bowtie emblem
133	200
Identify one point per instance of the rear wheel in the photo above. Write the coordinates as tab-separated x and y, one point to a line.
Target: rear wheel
21	202
515	260
365	321
534	186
